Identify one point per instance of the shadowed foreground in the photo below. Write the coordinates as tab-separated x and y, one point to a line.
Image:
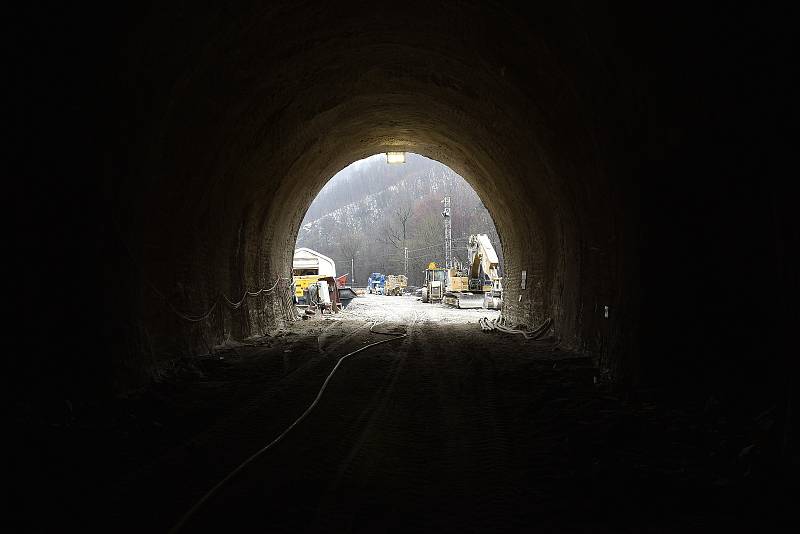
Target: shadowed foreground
449	429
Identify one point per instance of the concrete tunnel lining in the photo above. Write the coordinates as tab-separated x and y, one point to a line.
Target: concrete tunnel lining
235	167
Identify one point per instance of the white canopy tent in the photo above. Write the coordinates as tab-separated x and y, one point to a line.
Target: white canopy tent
307	261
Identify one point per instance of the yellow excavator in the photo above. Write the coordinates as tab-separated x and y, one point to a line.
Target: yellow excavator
480	285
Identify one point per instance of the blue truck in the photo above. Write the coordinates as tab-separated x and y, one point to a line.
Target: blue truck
376	283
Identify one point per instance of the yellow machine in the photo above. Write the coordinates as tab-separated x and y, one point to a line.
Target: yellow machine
395	284
457	291
435	280
301	284
456	280
480	285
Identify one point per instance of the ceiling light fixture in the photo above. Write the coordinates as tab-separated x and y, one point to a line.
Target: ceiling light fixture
395	157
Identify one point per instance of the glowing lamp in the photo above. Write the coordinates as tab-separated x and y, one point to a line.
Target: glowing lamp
395	157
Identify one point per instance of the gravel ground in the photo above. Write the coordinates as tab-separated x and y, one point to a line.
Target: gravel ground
448	429
408	308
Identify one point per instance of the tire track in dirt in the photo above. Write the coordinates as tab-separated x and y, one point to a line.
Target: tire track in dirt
429	452
200	461
476	444
330	515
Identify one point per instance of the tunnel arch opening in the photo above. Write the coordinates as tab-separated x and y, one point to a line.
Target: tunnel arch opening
551	258
374	216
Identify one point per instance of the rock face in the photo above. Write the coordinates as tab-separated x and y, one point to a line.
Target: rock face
625	158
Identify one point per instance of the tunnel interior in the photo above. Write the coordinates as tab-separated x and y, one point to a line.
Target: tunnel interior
218	199
630	158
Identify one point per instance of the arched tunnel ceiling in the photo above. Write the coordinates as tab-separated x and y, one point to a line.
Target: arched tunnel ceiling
338	98
259	115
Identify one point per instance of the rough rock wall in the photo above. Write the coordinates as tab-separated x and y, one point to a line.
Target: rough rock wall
248	114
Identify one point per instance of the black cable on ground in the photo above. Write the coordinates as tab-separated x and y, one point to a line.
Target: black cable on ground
193	510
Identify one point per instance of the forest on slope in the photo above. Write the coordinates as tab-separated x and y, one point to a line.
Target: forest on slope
368	213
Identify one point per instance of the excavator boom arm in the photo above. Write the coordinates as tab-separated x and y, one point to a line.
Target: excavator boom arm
482	256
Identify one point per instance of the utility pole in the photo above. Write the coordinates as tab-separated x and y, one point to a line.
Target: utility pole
352	273
405	260
448	234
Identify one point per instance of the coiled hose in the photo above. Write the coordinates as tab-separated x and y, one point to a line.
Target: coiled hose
499	325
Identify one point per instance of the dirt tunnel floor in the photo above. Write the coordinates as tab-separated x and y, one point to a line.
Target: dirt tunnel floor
450	429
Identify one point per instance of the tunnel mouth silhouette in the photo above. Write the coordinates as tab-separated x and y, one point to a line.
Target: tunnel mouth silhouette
228	149
239	287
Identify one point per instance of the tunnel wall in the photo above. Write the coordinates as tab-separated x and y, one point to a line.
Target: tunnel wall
248	130
600	138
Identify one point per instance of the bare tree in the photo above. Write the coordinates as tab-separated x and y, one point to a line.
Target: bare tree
390	235
396	230
350	244
403	214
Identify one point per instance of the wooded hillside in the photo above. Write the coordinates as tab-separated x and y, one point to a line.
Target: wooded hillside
371	211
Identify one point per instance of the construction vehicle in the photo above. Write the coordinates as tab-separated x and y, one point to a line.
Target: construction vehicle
456	290
435	281
484	273
394	284
479	285
376	283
